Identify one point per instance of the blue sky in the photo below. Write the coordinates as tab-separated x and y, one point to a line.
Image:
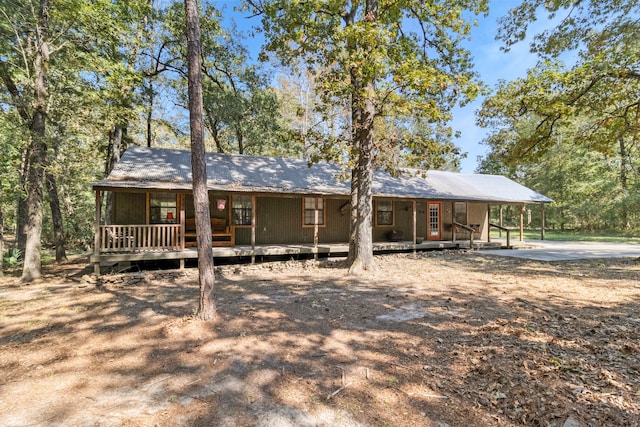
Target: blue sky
490	62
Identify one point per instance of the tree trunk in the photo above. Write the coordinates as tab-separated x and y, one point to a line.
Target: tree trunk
22	212
37	154
150	115
207	308
56	217
113	156
240	137
624	212
363	114
353	217
32	258
363	246
25	115
1	235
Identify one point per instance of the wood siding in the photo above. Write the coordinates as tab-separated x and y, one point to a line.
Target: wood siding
279	221
129	208
279	218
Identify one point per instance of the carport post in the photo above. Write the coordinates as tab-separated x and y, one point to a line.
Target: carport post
542	224
522	222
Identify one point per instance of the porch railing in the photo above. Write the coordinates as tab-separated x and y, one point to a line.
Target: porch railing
132	238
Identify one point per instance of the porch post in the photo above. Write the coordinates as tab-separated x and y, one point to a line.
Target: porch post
488	222
253	221
542	224
414	230
182	218
182	201
522	222
500	221
315	232
453	220
254	207
96	236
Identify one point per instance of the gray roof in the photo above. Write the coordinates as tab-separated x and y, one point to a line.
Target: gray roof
166	169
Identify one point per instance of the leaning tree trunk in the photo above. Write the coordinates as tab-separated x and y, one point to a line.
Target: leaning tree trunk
56	217
25	115
37	154
207	307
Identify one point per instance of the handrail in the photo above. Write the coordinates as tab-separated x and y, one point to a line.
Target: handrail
500	227
464	227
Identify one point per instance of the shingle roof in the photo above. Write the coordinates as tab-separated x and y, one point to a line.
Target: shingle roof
166	169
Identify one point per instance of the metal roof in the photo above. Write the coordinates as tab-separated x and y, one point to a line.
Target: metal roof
167	169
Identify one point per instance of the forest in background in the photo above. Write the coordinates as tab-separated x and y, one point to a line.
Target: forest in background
116	76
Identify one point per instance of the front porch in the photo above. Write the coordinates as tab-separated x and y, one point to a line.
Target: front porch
261	251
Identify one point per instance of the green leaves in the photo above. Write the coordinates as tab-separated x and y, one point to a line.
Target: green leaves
570	126
408	50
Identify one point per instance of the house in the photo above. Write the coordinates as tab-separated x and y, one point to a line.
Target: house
267	205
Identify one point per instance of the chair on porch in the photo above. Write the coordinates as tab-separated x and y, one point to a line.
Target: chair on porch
221	233
120	239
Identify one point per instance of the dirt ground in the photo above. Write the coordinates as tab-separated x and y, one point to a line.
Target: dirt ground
441	339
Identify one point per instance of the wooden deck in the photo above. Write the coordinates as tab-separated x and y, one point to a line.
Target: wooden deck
261	251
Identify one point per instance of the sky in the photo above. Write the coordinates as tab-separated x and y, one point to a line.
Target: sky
490	62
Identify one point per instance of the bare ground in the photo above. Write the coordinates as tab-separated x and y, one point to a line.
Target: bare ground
437	339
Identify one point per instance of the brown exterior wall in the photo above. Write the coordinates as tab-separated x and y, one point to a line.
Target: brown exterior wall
279	219
477	213
129	208
403	221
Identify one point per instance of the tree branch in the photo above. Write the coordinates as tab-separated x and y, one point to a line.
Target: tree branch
14	92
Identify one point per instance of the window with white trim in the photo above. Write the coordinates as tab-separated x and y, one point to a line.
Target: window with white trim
163	208
241	209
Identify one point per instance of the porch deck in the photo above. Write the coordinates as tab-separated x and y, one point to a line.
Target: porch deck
327	249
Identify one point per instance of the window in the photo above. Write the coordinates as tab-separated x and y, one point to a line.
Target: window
162	208
313	208
384	212
241	210
460	212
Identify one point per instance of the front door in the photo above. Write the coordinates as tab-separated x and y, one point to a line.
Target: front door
433	221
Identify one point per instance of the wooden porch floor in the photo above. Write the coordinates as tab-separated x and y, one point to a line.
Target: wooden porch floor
325	249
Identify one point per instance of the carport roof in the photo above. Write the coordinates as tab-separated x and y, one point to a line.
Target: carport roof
167	169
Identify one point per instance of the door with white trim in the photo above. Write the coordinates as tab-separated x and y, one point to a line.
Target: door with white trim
434	221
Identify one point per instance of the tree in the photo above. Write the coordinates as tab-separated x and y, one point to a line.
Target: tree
382	58
583	92
32	43
207	308
241	110
588	68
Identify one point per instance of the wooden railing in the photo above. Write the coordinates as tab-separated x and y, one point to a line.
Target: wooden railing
501	228
466	228
140	238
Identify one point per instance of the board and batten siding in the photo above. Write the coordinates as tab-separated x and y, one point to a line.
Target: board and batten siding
403	221
129	208
279	221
